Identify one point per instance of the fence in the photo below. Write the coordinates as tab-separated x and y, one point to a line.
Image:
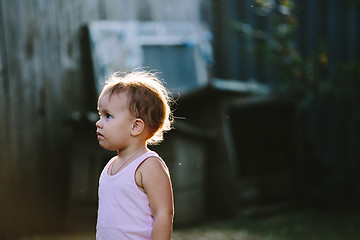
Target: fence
331	24
45	85
320	61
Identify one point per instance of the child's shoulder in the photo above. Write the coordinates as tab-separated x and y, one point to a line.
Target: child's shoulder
151	173
153	163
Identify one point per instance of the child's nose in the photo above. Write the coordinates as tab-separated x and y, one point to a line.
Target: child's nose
98	123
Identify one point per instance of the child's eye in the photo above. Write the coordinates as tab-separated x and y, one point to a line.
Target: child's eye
108	115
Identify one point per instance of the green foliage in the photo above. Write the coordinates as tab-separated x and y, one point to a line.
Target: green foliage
305	77
275	47
295	226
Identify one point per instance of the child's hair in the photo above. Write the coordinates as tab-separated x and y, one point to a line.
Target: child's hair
148	99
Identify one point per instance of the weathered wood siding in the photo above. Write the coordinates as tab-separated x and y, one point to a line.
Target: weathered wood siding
42	83
331	125
333	22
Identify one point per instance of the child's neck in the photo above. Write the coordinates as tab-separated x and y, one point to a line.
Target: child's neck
133	150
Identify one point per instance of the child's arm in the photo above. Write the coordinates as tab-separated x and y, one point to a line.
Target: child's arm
157	185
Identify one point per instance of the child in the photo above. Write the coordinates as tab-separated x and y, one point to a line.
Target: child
135	193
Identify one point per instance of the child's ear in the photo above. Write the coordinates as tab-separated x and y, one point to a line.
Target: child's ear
137	127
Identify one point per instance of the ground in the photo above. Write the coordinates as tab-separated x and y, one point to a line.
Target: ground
287	226
178	235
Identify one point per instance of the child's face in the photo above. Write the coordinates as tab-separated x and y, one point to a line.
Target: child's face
115	123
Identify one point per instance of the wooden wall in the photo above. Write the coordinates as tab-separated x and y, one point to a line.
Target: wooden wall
43	84
331	124
332	22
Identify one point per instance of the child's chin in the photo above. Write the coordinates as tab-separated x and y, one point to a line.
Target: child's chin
106	147
102	145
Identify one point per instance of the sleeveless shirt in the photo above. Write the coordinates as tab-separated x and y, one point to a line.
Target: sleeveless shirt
124	211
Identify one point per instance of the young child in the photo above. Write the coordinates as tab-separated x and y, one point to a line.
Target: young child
135	192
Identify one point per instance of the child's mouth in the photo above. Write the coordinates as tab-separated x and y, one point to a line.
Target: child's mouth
99	135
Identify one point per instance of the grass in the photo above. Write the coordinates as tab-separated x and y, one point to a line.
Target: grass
289	226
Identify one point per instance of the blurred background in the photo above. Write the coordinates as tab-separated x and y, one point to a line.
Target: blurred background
266	105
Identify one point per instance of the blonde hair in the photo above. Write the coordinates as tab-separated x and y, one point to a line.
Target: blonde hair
148	99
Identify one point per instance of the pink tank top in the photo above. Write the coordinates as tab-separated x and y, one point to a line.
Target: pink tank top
124	211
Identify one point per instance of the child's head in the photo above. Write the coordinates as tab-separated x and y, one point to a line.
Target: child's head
147	98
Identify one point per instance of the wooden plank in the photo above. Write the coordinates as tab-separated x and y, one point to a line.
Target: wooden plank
353	35
336	34
3	89
170	10
41	84
121	9
4	132
12	30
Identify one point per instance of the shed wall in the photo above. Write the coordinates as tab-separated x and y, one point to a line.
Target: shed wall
43	85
